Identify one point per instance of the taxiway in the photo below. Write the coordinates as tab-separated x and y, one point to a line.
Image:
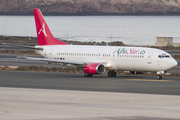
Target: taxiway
73	81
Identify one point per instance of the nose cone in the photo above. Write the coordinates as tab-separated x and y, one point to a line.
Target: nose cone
173	63
167	64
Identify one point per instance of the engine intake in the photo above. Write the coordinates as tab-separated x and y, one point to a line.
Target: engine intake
94	68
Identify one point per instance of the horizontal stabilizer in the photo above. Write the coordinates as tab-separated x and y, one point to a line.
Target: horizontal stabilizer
29	47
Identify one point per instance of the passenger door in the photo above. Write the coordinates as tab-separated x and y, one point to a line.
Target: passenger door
149	58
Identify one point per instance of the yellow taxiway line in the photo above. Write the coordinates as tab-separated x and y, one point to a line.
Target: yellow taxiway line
150	80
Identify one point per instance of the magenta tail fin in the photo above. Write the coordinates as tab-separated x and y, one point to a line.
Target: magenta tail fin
44	34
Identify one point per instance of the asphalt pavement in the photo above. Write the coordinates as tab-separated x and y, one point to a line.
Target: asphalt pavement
76	81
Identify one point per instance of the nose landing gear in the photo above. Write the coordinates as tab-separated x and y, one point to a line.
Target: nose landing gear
159	77
159	74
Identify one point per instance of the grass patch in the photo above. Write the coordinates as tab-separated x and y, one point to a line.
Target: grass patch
7	68
46	69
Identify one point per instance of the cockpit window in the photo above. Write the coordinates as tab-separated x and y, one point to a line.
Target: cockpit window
164	56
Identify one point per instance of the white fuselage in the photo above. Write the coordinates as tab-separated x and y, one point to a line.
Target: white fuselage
118	57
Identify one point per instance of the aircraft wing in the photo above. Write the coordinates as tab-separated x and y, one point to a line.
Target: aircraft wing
55	61
64	62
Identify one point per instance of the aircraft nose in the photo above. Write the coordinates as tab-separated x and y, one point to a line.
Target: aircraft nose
169	64
174	63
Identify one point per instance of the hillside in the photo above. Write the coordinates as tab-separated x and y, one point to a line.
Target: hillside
91	7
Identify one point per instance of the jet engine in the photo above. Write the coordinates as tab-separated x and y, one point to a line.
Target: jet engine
94	68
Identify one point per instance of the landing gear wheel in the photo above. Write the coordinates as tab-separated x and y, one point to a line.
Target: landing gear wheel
159	77
88	75
112	73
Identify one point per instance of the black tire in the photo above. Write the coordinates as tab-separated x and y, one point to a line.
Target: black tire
114	74
110	74
159	77
85	74
88	75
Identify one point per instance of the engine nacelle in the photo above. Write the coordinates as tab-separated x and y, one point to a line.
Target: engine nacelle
137	72
94	68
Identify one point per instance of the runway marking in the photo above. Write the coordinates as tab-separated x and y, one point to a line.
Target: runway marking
150	80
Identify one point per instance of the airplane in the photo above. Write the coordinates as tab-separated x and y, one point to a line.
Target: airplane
98	59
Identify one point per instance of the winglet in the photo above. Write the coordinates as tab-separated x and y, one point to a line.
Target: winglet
44	34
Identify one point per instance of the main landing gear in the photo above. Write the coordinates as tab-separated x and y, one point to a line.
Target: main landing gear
88	75
112	73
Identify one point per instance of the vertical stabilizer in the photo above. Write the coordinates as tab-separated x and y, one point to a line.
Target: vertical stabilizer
44	34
